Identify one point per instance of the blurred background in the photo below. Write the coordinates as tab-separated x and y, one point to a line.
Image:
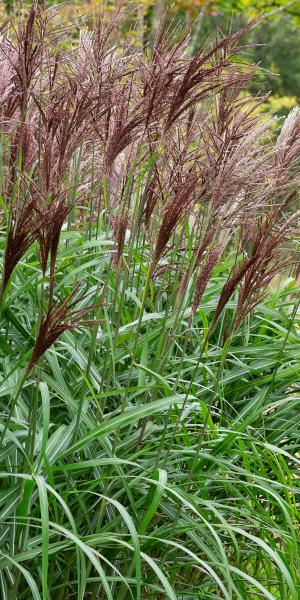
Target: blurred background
274	44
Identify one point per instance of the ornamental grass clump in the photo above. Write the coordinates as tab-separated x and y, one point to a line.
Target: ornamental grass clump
148	378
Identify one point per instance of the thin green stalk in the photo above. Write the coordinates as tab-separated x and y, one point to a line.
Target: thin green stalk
13	404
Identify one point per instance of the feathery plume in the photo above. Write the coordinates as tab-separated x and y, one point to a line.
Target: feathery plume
204	275
59	317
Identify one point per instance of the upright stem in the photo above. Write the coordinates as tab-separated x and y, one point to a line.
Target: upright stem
15	400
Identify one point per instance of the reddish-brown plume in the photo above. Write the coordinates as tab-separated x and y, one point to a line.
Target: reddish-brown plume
60	317
172	138
204	275
184	197
119	226
23	230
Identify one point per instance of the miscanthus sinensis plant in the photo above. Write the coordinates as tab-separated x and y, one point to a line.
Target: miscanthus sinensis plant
149	435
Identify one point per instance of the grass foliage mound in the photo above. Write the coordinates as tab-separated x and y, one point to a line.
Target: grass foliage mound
149	435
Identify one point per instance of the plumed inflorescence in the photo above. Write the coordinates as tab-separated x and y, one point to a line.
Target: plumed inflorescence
80	120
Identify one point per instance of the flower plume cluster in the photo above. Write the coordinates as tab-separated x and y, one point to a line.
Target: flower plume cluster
171	139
